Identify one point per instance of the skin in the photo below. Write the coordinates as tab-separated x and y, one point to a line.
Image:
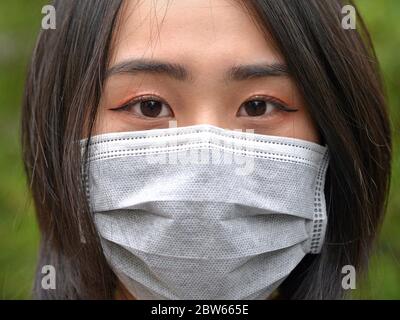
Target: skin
207	38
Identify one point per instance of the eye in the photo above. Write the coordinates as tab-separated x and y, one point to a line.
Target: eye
147	107
262	107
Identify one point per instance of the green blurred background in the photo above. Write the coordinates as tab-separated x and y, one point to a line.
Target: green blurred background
20	21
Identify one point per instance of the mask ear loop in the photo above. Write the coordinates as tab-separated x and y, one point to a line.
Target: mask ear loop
85	181
319	215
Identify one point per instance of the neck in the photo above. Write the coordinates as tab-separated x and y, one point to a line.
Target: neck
121	293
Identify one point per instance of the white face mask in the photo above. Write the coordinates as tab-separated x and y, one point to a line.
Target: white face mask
202	212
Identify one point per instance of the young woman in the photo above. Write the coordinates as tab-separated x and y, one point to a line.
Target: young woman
119	70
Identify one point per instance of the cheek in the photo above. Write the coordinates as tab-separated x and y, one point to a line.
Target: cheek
302	127
101	125
298	125
107	122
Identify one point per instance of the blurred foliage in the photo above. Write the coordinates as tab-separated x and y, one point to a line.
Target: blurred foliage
19	24
381	17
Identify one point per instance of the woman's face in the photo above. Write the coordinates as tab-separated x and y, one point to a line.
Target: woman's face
198	62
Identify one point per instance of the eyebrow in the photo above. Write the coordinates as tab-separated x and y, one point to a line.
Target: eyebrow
179	72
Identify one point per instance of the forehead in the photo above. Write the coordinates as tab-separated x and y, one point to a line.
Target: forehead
202	32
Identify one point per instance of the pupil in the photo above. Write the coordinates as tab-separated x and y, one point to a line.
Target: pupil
255	108
150	108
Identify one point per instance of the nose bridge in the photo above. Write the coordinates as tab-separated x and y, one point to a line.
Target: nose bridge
204	114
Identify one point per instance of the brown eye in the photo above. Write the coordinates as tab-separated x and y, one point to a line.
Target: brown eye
255	108
151	108
148	108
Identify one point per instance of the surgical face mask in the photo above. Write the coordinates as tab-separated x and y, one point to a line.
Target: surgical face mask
201	212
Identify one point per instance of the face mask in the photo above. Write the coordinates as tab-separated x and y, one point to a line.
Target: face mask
201	212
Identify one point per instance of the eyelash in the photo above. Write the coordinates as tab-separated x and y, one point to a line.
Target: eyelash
276	102
144	98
